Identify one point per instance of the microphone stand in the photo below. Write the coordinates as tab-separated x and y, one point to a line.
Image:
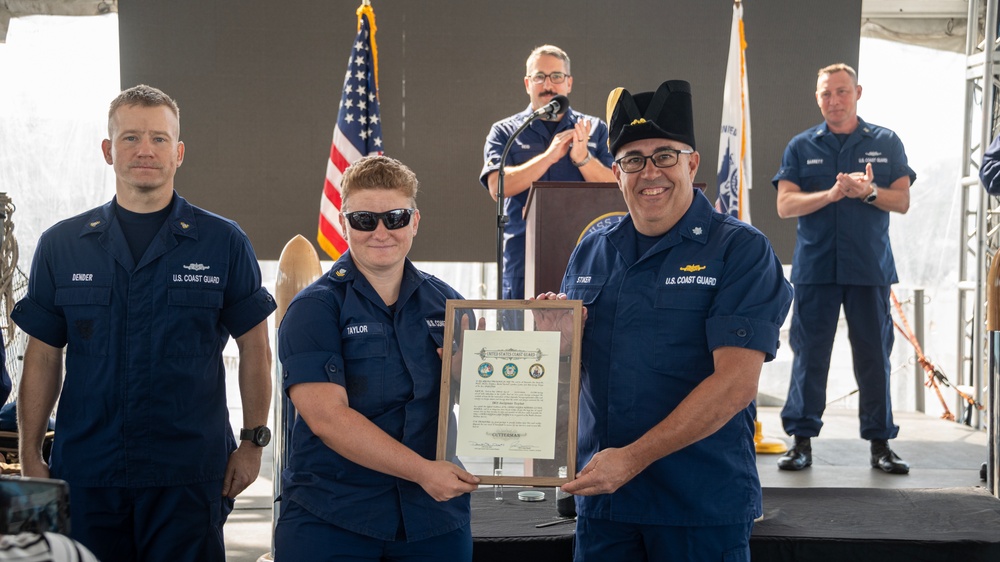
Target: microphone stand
502	218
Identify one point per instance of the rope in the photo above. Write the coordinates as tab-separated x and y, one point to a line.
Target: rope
934	374
8	265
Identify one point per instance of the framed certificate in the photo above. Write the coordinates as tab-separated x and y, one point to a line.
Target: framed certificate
510	390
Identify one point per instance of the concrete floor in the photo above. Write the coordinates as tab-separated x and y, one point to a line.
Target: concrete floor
941	454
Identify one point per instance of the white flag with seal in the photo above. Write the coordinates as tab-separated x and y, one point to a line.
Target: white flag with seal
734	180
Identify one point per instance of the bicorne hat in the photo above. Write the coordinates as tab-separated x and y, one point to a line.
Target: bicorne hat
665	113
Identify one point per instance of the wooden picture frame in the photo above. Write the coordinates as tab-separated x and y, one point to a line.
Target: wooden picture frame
510	393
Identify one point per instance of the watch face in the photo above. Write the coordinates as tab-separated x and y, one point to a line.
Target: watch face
262	436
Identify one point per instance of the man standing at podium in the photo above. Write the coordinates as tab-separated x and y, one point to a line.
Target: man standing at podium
572	147
684	305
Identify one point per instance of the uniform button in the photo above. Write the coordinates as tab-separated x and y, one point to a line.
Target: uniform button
332	368
741	333
269	298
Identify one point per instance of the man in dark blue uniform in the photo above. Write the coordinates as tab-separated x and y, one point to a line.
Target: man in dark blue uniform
989	171
684	304
144	292
841	179
573	147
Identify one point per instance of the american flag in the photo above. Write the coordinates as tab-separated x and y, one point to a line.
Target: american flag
358	131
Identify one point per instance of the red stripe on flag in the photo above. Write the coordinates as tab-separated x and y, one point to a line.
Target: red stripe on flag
337	158
358	131
332	193
332	237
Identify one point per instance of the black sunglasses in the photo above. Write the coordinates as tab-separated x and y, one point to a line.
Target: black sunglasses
367	221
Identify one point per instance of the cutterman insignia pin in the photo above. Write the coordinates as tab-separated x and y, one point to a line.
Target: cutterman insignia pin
692	268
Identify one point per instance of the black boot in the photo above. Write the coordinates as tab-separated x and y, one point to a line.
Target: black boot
798	457
885	459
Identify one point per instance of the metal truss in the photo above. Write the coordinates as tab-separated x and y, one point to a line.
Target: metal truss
980	213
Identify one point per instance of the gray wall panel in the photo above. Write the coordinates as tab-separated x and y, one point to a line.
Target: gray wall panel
259	82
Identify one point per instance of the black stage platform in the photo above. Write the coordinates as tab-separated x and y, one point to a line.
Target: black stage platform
819	524
799	524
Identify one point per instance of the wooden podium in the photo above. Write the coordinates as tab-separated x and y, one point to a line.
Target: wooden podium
557	215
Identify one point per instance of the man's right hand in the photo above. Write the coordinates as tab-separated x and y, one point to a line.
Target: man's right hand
557	320
560	145
835	193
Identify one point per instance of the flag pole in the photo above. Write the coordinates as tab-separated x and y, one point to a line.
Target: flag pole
738	183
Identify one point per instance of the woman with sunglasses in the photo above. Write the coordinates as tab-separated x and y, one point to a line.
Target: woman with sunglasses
359	348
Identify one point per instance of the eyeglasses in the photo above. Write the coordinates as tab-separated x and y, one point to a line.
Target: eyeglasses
555	77
367	221
661	159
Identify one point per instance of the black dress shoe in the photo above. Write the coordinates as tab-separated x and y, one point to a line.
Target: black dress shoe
886	460
798	457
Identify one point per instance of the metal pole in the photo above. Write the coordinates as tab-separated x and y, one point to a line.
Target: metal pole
993	464
986	132
918	332
992	290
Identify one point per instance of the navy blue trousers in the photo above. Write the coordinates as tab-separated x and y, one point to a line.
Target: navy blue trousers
151	524
301	536
598	540
815	313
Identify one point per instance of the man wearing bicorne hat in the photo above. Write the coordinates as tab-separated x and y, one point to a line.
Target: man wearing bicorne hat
684	305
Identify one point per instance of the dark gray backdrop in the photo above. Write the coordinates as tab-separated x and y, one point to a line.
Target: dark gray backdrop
258	83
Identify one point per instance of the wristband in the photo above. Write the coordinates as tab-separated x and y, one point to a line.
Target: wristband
870	198
584	161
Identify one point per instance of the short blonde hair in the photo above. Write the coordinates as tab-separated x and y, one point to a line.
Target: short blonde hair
378	172
144	96
838	67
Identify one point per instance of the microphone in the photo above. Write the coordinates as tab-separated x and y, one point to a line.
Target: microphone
558	105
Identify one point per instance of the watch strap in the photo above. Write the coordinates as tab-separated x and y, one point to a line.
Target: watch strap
870	199
259	435
583	162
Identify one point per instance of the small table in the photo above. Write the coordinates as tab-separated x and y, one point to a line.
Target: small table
504	530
